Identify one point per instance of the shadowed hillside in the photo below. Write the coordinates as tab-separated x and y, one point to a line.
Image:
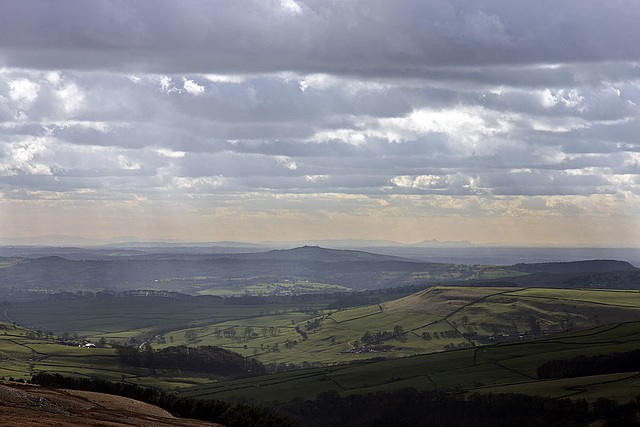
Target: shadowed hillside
591	266
22	405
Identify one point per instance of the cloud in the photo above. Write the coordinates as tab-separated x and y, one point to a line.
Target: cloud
354	37
172	154
23	91
192	87
316	110
291	6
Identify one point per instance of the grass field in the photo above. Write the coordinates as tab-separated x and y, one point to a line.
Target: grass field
276	288
310	333
438	319
23	353
433	337
504	367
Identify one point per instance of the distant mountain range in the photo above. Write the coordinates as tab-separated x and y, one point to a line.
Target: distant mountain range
117	270
54	240
364	243
317	253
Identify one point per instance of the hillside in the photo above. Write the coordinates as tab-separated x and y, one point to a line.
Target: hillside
280	272
497	368
308	269
588	266
291	332
22	405
624	279
317	253
470	339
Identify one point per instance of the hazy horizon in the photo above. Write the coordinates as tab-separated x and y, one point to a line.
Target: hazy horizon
496	122
74	240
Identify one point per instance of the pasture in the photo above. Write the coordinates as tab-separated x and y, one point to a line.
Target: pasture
309	331
504	367
444	338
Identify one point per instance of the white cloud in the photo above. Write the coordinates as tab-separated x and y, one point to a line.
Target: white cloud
192	87
54	78
171	154
315	178
351	137
318	81
291	6
286	162
166	85
25	158
571	99
23	91
127	164
71	97
222	78
198	184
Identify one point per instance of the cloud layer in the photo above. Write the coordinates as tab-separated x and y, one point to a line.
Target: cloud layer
292	119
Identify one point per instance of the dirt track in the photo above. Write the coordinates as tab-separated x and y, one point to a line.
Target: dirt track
23	405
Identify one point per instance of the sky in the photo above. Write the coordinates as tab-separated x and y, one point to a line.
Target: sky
492	121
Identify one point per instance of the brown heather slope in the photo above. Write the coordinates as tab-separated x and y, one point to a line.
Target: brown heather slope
25	405
440	300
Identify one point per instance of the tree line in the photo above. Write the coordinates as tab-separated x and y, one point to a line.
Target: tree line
410	407
380	336
206	359
231	415
581	366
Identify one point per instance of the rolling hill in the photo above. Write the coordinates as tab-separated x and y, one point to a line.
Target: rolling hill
308	269
591	266
497	368
291	332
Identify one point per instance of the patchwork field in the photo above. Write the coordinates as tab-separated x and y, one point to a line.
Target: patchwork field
503	367
437	319
297	332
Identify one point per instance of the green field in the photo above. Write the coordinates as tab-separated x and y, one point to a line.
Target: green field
24	352
275	288
438	319
308	332
504	367
445	338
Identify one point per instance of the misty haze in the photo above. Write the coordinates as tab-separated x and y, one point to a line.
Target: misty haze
313	213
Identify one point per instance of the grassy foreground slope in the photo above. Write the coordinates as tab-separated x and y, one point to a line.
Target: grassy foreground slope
502	367
23	405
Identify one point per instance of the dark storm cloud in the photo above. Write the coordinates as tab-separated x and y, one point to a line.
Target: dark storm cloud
368	38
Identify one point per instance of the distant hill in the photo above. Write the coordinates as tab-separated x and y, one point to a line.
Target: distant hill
23	278
317	253
626	279
307	269
590	266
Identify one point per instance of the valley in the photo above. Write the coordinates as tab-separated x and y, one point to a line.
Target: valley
480	335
